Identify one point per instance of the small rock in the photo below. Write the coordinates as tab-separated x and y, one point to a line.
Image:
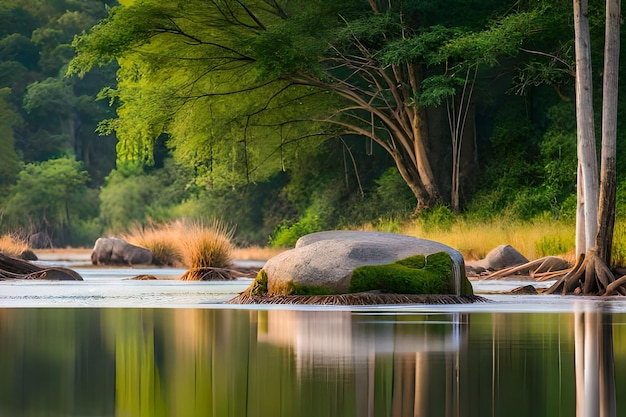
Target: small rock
526	289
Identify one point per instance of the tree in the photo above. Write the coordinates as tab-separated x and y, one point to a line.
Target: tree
594	227
50	197
247	85
608	171
9	161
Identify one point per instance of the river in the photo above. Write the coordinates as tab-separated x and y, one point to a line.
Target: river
109	346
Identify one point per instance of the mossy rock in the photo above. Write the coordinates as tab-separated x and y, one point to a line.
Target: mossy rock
416	274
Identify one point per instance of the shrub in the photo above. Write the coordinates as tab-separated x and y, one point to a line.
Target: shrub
287	235
438	218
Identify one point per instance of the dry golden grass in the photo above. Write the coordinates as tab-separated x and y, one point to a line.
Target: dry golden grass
207	246
197	246
12	245
474	240
256	253
163	241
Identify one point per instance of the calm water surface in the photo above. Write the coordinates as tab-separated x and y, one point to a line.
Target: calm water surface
111	347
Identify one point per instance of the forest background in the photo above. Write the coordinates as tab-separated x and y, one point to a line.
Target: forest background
512	160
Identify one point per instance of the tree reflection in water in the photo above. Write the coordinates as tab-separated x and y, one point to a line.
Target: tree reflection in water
284	363
595	361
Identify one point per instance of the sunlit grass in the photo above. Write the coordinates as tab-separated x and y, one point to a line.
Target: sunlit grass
13	245
206	246
256	253
163	241
474	240
197	246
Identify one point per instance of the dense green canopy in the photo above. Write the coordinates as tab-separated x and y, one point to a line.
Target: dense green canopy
243	87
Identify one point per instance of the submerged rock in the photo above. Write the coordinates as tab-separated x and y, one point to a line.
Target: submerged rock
325	263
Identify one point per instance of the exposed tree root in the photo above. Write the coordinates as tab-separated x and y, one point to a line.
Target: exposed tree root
209	273
357	299
589	276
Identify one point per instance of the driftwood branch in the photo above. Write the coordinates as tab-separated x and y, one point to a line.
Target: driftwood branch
15	268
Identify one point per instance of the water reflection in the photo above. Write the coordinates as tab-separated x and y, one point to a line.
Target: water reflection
595	373
224	362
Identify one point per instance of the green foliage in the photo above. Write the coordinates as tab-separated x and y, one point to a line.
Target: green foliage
51	197
9	160
125	200
503	38
414	275
391	194
197	79
287	235
424	47
550	245
437	218
514	171
558	151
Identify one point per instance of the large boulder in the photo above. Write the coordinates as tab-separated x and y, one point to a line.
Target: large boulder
116	251
326	261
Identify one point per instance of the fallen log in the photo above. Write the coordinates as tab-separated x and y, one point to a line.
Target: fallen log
15	268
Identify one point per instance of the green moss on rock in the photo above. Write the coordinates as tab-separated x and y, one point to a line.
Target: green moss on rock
413	275
259	286
466	286
299	289
415	261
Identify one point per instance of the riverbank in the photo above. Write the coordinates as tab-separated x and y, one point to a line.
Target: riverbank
84	254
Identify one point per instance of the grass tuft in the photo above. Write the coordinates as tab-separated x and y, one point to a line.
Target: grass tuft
12	245
205	248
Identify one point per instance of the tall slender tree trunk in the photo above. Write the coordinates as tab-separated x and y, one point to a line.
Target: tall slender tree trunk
585	125
608	179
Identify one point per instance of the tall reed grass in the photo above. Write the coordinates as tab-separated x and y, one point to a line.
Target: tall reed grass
206	248
199	247
534	239
474	240
163	241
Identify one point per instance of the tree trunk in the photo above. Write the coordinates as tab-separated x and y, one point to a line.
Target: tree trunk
585	126
426	177
608	173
